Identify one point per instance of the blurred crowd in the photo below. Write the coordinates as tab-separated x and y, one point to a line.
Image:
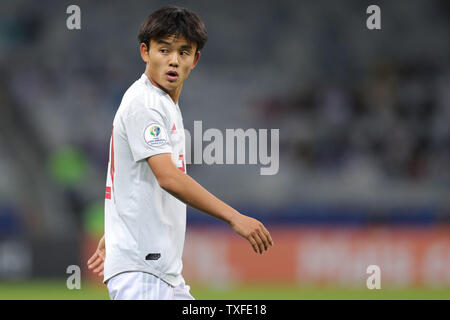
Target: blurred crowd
396	121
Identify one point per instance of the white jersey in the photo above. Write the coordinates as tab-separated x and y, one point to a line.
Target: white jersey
144	225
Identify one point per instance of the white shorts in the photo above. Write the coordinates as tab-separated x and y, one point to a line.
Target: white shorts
137	285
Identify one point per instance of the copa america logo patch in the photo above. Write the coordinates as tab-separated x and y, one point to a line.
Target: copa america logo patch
155	135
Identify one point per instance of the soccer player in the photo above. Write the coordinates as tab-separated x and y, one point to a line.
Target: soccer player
147	187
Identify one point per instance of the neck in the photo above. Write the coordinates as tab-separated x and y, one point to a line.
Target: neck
174	95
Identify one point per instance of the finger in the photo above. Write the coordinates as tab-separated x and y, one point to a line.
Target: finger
259	242
91	259
266	232
99	265
102	255
100	268
266	237
253	243
100	274
264	240
96	263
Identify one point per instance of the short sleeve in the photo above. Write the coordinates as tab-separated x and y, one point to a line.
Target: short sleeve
147	133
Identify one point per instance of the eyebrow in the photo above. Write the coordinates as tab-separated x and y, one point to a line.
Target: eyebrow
185	47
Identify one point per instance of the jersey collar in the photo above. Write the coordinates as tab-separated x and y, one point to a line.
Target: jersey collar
159	90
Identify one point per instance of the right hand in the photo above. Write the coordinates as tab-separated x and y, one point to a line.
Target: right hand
252	230
97	261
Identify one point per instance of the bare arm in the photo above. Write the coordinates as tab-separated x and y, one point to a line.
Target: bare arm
187	190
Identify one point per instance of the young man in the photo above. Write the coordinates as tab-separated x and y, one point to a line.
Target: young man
147	187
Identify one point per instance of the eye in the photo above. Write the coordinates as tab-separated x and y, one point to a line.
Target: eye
163	50
184	53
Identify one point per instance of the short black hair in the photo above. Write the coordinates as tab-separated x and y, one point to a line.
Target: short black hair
173	21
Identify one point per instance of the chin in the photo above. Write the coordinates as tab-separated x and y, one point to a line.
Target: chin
171	86
166	86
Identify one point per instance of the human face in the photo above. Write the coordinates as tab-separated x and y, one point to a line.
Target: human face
169	63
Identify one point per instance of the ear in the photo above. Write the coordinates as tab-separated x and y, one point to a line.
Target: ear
197	56
144	52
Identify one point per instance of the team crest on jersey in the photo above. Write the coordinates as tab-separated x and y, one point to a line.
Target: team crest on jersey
154	135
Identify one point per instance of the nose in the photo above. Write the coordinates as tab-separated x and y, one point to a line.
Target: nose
173	62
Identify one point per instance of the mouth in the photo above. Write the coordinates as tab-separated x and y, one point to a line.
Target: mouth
172	75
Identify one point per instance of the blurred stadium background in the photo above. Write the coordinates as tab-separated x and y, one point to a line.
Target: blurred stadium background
363	115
